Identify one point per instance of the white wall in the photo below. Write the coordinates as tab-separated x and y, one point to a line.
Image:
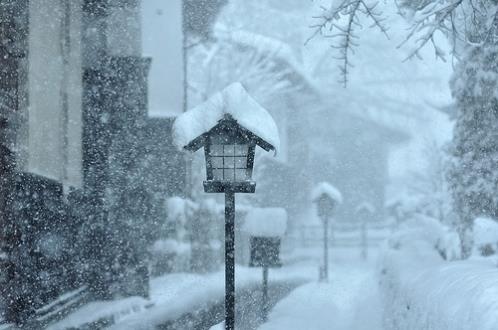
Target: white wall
54	90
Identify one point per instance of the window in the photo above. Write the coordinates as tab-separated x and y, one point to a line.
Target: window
229	162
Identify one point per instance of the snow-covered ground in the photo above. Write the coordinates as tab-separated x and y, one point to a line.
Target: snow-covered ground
349	301
175	295
403	285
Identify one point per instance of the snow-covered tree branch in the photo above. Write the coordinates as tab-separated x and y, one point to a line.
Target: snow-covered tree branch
462	22
340	22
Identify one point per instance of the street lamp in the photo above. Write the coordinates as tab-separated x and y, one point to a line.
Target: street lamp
326	198
364	212
229	126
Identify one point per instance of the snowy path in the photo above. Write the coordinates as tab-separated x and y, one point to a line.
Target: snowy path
350	301
194	301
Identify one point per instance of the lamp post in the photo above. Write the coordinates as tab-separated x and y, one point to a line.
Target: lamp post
364	213
326	198
229	148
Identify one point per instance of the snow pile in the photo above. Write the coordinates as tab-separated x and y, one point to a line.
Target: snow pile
325	188
235	101
266	222
424	236
175	295
105	311
219	326
423	291
485	236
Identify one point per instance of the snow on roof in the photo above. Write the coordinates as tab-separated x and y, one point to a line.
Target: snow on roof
327	189
235	101
267	45
485	231
266	222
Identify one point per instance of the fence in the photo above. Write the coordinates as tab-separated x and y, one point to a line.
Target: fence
342	235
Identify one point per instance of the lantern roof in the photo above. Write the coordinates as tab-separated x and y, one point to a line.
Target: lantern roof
233	102
266	222
365	207
325	188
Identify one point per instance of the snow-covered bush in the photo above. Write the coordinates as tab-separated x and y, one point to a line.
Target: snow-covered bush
422	291
169	255
425	235
206	235
171	252
485	235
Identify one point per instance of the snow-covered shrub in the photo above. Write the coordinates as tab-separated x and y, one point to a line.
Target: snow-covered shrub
403	207
485	235
206	234
421	234
171	252
422	291
169	255
180	210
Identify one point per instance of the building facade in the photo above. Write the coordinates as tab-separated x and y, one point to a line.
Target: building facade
76	143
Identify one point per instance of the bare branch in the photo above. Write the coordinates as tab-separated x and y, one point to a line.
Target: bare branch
432	19
329	26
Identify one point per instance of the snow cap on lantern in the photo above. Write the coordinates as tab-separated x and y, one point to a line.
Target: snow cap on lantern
228	125
266	227
326	197
266	222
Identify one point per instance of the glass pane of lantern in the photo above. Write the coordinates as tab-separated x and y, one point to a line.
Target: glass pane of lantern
216	150
217	162
241	149
229	174
218	175
240	162
241	175
228	150
228	162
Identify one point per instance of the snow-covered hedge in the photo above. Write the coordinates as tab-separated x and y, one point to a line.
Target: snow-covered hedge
423	291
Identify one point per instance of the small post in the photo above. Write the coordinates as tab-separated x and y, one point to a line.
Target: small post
229	260
325	248
364	242
264	306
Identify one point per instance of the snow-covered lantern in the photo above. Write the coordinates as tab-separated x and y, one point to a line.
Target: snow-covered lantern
229	126
326	197
266	227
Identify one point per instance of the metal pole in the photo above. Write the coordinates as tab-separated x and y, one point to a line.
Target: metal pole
326	248
229	260
364	244
265	294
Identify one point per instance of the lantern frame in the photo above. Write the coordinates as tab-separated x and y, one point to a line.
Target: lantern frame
325	205
228	133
